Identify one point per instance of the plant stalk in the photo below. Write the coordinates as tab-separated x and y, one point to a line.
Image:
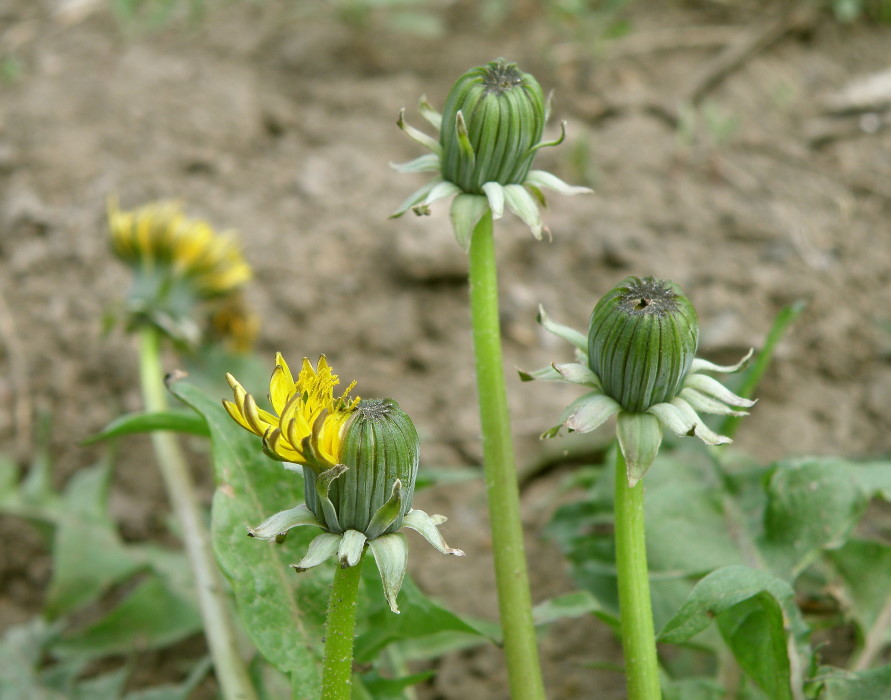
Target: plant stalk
340	627
638	633
511	578
219	629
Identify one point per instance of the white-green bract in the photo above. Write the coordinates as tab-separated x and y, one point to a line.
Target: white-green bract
493	121
640	434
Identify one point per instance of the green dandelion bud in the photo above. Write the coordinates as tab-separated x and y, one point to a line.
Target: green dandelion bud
381	450
493	117
489	133
638	363
642	339
359	460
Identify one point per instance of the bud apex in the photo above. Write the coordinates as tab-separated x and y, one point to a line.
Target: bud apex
492	121
643	336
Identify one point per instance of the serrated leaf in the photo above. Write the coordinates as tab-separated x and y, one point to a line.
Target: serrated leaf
85	533
250	487
151	617
812	504
131	423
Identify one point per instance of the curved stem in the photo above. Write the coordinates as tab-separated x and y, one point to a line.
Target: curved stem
512	581
219	629
638	634
340	627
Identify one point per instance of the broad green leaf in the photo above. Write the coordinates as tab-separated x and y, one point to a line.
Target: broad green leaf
754	631
718	592
88	554
865	570
751	607
812	504
108	686
151	617
21	650
874	477
251	487
873	684
130	423
420	617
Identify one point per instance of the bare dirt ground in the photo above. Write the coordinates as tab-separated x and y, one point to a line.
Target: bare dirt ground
280	124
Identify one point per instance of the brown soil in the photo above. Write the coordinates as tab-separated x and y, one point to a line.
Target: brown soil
280	123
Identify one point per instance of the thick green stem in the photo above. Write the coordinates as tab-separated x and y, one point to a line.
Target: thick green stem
219	629
340	627
638	634
511	579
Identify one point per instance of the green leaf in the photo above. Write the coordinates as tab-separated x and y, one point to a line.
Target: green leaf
692	689
250	487
85	533
865	570
376	687
420	617
130	423
749	606
874	478
151	617
863	685
181	691
812	504
570	605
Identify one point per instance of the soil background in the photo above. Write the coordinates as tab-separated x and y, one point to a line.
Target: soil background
278	119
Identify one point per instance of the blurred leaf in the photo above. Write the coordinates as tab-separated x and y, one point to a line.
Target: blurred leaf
570	605
865	569
108	686
755	372
21	650
812	504
88	554
420	617
862	685
250	487
372	686
175	692
874	477
692	689
151	617
130	423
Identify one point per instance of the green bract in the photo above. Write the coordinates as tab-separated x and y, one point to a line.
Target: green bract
381	447
642	339
364	500
638	361
493	117
489	133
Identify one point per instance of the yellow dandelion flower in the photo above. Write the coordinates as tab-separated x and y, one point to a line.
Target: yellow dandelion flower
159	238
308	422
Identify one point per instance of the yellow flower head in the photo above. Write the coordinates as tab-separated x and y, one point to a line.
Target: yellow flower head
308	424
235	325
161	240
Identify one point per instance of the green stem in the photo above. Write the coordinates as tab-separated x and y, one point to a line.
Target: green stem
514	601
337	674
638	634
219	629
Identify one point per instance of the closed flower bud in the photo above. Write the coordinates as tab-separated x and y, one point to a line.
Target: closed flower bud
380	450
492	121
641	343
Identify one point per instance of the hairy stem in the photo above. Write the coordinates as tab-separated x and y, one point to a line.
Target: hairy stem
503	493
340	627
638	634
219	629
